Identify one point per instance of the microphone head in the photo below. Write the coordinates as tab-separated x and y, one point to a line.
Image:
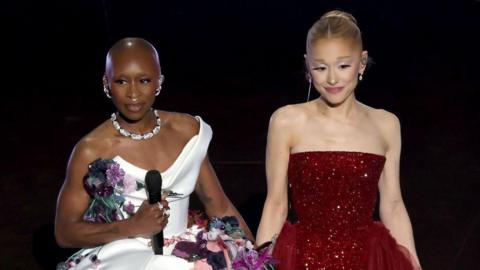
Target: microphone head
153	184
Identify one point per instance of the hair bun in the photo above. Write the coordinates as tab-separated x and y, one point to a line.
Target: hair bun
335	24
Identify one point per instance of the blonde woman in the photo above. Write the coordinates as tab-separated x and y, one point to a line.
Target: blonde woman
336	154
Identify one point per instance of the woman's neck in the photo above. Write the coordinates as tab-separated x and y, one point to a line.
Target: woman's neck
345	110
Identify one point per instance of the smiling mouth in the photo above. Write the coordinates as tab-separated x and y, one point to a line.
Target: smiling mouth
334	90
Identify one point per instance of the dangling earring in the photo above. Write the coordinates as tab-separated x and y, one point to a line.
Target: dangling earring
360	77
309	87
107	93
105	88
160	81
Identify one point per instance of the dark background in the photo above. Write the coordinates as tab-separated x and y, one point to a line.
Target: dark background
234	63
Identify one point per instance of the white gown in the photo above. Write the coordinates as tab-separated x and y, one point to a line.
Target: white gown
180	177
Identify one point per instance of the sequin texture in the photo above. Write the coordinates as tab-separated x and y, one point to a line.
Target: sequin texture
333	194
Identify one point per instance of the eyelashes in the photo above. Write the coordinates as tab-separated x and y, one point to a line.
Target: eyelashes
341	67
120	81
319	68
142	81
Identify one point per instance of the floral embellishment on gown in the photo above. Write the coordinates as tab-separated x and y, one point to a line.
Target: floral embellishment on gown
107	183
123	195
222	245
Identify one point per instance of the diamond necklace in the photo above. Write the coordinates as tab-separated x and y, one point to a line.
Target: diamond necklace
135	136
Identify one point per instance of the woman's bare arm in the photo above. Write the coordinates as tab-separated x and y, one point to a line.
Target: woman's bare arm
70	228
213	197
279	142
392	208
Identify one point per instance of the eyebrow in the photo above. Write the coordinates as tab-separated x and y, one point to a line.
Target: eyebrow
338	58
137	75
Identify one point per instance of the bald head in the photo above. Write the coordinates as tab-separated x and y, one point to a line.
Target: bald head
132	59
131	48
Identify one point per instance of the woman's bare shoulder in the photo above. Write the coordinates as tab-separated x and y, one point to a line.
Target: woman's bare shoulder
383	118
95	143
388	125
290	115
180	124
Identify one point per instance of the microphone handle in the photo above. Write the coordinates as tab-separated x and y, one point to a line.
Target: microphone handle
157	243
157	239
153	181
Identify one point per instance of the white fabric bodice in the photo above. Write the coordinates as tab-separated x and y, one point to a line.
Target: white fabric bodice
180	177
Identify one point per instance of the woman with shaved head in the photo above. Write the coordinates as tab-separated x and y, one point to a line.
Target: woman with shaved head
137	138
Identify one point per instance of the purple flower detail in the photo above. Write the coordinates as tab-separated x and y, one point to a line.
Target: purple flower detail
99	165
103	175
104	190
202	245
97	188
104	182
113	215
129	208
252	260
99	213
89	218
221	241
114	174
185	249
129	184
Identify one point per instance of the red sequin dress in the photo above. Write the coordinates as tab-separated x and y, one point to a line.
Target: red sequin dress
334	194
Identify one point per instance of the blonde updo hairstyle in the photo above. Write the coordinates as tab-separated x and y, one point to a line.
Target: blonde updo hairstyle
335	24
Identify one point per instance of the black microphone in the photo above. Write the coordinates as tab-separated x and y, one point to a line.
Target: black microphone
153	184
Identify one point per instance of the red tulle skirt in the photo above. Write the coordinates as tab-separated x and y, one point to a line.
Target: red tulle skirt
381	250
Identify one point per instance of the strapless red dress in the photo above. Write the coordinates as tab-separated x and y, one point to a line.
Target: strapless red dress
333	195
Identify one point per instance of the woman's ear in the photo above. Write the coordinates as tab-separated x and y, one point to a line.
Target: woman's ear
105	81
364	61
308	76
